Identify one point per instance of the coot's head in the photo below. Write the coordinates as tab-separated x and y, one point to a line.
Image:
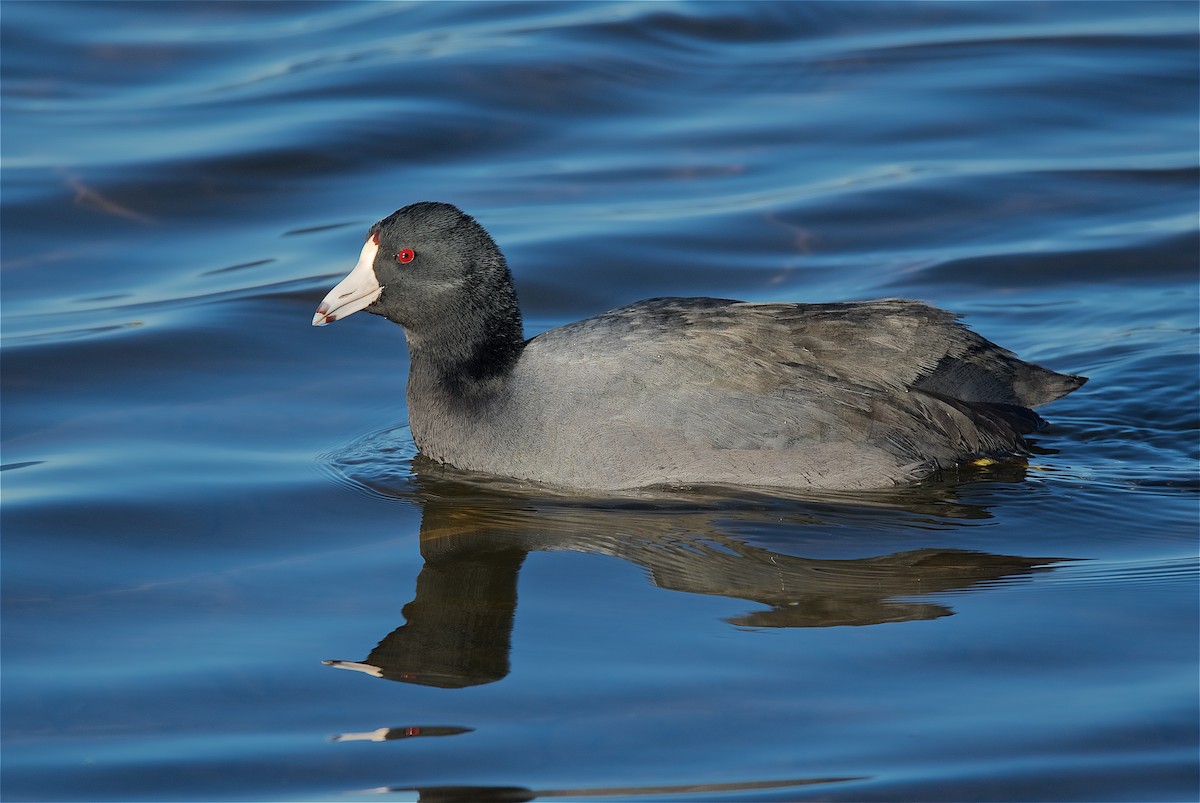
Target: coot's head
422	267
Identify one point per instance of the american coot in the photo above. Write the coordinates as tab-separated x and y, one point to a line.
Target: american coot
675	391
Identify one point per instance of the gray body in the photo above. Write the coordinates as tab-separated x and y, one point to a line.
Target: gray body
711	391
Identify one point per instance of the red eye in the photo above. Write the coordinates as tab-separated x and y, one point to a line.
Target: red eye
405	256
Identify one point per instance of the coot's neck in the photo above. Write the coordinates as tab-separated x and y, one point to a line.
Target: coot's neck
469	350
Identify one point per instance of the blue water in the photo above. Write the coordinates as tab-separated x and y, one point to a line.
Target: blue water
205	498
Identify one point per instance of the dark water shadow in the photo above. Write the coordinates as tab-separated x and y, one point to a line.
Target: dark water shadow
475	537
519	794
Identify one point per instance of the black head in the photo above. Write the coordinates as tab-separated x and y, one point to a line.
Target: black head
437	273
421	267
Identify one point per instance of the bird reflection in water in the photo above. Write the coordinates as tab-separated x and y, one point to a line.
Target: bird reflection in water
458	627
408	732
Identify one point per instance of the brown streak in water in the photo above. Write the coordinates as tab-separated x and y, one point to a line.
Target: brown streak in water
89	198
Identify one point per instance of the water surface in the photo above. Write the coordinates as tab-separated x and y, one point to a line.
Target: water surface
227	577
